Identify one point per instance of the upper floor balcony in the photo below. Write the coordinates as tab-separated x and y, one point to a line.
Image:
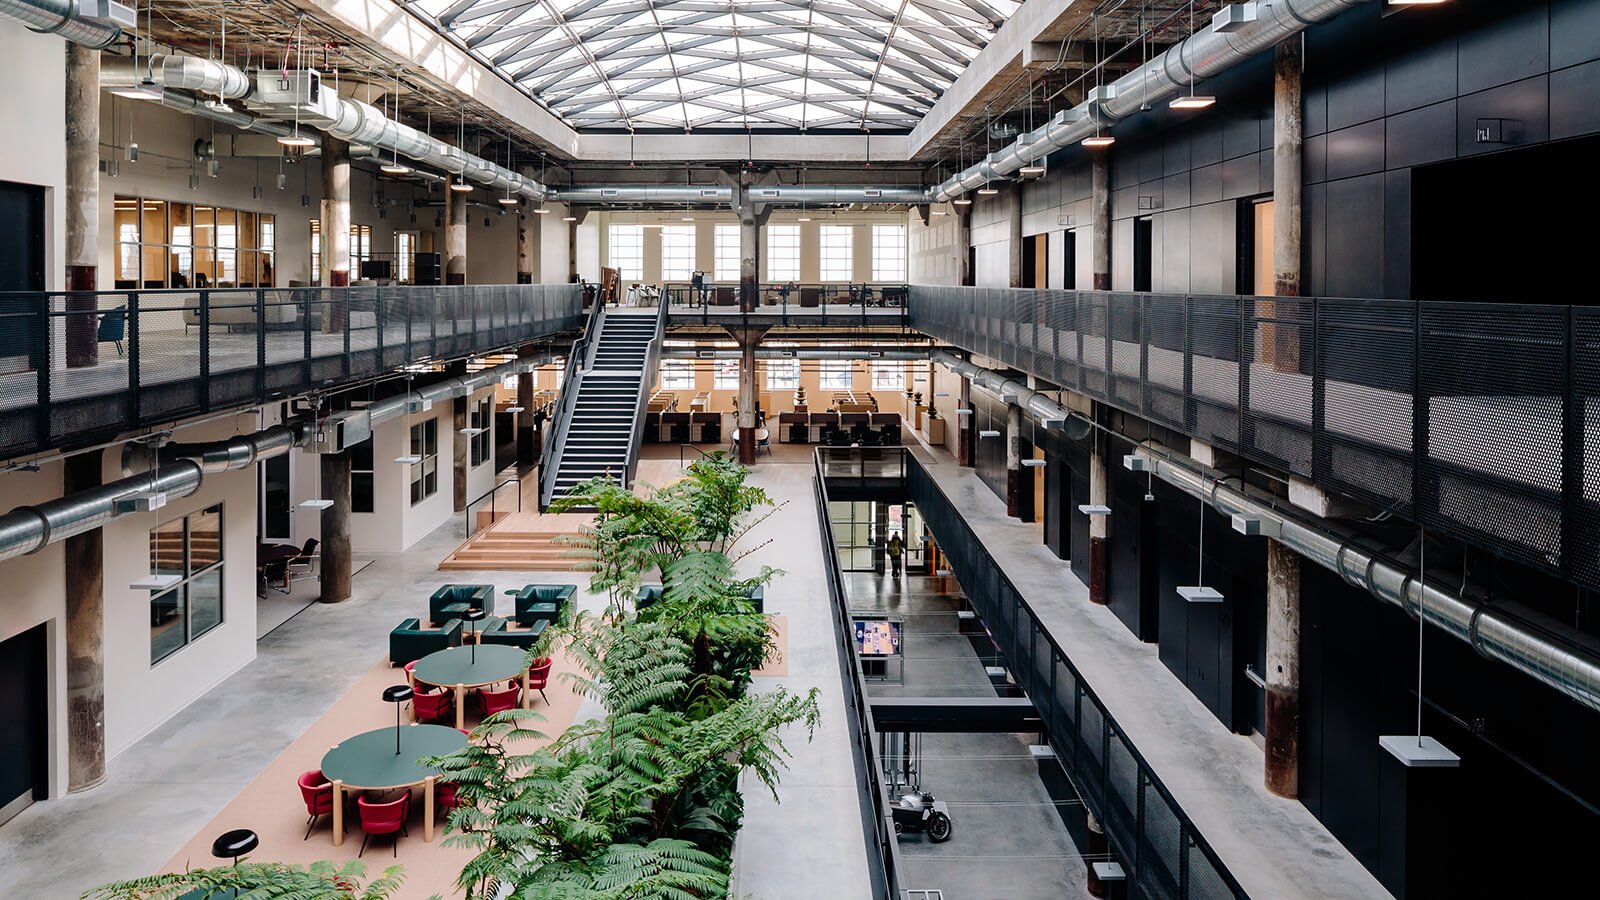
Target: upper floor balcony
76	367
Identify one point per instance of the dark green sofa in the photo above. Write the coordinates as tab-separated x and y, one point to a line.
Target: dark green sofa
410	641
452	600
499	632
541	602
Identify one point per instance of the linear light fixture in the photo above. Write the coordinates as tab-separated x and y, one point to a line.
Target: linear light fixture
962	201
1192	101
1419	752
1033	463
569	218
1200	594
988	191
460	187
408	460
988	434
395	168
296	140
1031	169
472	432
541	211
513	410
1254	527
938	212
147	501
508	201
316	504
144	90
1094	509
1099	140
154	582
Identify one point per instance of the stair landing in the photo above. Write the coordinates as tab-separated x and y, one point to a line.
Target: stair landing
522	542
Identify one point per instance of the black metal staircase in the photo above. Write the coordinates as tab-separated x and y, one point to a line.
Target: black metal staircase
597	429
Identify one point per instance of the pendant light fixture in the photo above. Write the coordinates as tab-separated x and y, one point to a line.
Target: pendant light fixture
319	437
1035	166
1191	100
509	200
1419	751
803	217
1199	592
1097	139
394	166
150	501
295	138
409	459
460	185
988	190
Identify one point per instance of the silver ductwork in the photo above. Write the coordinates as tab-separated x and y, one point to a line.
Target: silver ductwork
797	353
363	124
212	457
1204	54
644	193
1542	648
179	73
720	195
96	24
233	118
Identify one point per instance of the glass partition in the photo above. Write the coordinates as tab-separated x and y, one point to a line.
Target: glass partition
163	244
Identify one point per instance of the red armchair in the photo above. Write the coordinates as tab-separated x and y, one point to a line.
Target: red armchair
500	701
384	818
317	792
539	676
433	705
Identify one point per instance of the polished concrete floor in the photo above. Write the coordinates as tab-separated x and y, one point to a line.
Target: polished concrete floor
168	785
1008	838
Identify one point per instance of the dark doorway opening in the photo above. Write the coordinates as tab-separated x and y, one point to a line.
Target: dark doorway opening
972	268
1500	228
21	269
1030	262
1069	260
24	764
1143	241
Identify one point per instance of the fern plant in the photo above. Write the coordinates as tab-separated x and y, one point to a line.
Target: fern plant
259	881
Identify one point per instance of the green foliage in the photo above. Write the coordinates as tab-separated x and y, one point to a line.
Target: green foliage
259	881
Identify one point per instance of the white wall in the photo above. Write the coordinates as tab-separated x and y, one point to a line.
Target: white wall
394	524
934	249
36	594
480	478
554	251
34	67
140	696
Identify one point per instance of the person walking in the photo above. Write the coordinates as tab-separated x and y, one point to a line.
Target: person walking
897	549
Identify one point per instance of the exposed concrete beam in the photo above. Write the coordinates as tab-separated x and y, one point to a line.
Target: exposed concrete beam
999	64
678	148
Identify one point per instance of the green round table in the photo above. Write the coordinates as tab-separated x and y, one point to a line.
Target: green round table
368	762
454	668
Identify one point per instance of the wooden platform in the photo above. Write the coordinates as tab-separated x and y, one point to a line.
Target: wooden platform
522	542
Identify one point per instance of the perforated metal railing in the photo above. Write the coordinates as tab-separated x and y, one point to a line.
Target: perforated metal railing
77	366
1470	418
1158	846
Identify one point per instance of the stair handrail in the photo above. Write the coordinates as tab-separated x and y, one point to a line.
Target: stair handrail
652	364
561	420
490	495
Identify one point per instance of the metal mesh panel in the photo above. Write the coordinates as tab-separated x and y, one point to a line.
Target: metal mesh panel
1091	753
1214	369
1496	388
167	349
1164	335
1205	880
1280	349
1122	796
1582	556
1094	320
1127	350
1160	843
1367	352
231	336
1066	690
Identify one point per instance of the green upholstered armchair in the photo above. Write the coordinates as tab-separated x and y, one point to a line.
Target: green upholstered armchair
649	595
499	633
758	596
411	641
452	600
541	602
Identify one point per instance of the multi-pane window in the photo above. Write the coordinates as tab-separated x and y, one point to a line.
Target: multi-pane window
837	244
727	375
425	471
677	252
725	246
189	549
783	252
677	375
783	374
405	245
889	253
181	245
836	374
627	251
481	417
888	375
362	478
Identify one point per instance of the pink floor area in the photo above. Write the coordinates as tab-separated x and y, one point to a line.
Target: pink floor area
271	805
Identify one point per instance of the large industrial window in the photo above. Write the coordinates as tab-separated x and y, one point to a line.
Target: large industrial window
677	375
888	375
727	375
836	375
783	374
783	253
189	549
889	253
677	252
360	247
837	245
725	245
627	251
481	417
425	471
362	475
405	246
180	245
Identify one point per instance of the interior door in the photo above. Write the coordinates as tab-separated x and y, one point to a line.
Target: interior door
1143	258
24	768
21	269
277	512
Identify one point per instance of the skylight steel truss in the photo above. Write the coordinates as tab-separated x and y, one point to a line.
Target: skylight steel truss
696	64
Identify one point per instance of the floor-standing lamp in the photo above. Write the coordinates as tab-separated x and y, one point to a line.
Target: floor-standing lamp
474	614
235	844
397	695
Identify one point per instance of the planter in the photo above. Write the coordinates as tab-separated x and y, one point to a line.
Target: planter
934	433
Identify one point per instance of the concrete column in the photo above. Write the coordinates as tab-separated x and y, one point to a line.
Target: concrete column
747	400
527	245
336	566
1098	496
455	237
527	436
1100	202
964	423
1287	207
461	455
1013	460
1096	849
1283	671
749	263
83	203
84	556
335	228
1014	241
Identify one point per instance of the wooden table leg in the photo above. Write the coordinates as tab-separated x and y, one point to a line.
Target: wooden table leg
527	698
427	807
461	706
338	813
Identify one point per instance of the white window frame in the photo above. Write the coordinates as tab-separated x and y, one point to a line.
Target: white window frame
836	253
625	251
782	374
677	375
833	369
783	253
726	377
889	253
882	369
677	252
725	253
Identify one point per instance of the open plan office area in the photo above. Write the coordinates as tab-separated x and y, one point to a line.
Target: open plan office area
940	450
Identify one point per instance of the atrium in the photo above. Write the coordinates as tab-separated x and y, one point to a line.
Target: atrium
916	450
